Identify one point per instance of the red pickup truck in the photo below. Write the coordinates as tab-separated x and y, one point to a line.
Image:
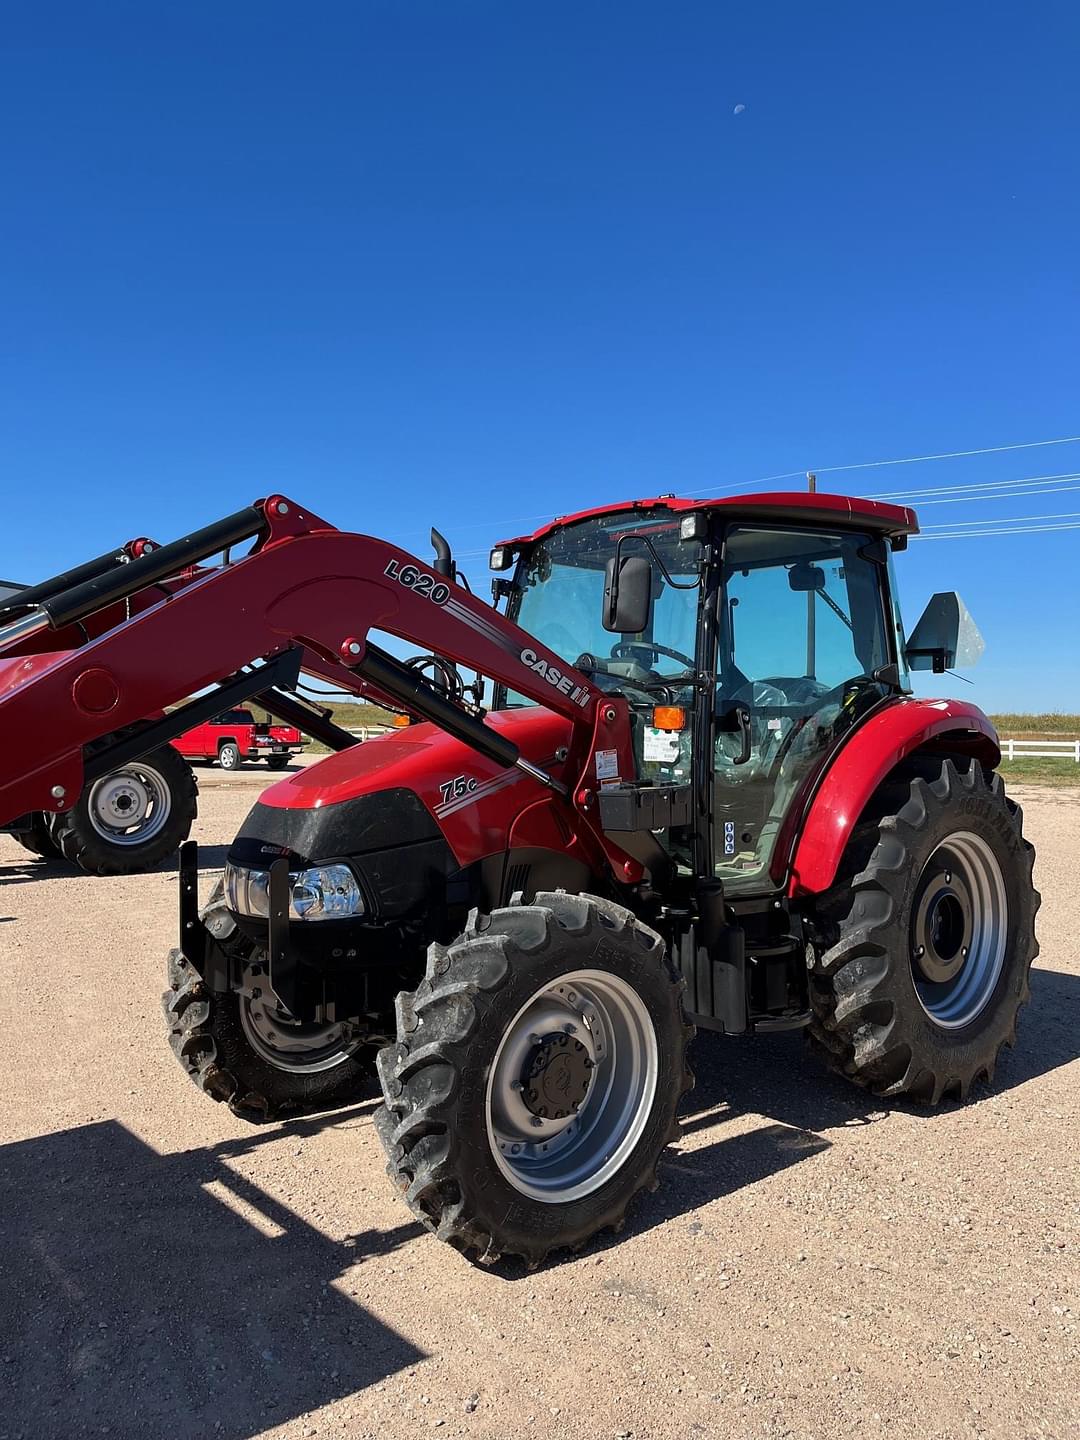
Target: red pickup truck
236	736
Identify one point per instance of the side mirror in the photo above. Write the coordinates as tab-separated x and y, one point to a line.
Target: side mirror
946	636
804	577
627	594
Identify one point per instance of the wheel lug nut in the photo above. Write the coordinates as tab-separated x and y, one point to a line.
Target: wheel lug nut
536	1122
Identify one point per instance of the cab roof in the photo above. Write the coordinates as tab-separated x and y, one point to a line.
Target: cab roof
798	507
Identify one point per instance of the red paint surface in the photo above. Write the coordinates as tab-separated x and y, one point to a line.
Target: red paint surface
873	750
423	758
891	519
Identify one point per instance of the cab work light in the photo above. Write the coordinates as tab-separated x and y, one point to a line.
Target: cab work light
669	717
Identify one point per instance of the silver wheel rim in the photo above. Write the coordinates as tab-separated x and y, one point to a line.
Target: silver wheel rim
560	1159
129	806
959	930
228	757
297	1046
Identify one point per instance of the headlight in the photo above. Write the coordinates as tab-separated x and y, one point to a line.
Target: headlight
324	892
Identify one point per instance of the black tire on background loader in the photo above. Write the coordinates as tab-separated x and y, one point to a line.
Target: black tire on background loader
869	1021
208	1037
434	1123
37	837
80	841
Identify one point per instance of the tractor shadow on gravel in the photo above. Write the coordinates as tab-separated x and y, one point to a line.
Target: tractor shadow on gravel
211	857
775	1076
166	1295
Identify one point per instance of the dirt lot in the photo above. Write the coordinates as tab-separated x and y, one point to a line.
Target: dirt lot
813	1265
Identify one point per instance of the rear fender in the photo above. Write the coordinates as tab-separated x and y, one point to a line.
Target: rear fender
867	757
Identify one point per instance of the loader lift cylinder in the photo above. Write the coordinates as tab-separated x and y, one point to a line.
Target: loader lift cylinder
83	599
413	693
32	596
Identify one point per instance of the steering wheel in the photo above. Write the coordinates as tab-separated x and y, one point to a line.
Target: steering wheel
625	649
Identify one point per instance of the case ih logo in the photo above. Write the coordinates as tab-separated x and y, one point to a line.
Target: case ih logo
555	678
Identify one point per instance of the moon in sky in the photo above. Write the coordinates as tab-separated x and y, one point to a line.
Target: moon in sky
738	109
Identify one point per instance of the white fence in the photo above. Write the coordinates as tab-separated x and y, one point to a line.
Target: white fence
1010	749
1041	750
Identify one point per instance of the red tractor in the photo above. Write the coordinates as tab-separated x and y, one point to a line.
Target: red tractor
124	822
693	789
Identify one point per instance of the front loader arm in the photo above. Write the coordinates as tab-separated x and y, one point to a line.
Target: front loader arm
305	585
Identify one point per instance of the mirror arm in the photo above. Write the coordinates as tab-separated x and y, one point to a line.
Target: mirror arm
938	657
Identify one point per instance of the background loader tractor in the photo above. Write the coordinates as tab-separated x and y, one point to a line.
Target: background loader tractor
124	822
689	786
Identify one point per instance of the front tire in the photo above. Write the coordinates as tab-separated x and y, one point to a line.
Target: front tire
536	1077
244	1049
933	937
131	819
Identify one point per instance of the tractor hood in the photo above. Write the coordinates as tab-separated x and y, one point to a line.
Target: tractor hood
402	788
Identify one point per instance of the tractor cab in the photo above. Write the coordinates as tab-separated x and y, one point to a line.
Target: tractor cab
747	641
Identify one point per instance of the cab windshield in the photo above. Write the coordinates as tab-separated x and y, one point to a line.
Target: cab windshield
561	603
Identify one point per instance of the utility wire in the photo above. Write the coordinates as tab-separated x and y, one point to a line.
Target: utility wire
902	460
507	525
991	534
1010	495
1011	520
977	485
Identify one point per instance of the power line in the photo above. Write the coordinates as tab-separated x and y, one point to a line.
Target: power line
1012	520
1011	495
987	485
902	460
992	534
978	485
949	455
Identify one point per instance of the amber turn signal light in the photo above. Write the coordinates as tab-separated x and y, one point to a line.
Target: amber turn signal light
669	717
400	721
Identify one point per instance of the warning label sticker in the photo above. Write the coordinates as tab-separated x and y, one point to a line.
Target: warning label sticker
607	764
661	746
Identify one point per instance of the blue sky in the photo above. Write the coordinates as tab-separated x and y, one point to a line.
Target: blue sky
476	263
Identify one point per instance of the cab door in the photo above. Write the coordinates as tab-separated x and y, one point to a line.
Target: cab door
804	650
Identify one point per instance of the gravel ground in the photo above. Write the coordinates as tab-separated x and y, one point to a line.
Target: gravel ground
812	1266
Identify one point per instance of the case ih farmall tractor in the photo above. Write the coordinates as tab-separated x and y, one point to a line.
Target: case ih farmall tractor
698	792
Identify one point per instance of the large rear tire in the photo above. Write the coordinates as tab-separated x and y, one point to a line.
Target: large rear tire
536	1076
131	819
932	923
37	837
245	1049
